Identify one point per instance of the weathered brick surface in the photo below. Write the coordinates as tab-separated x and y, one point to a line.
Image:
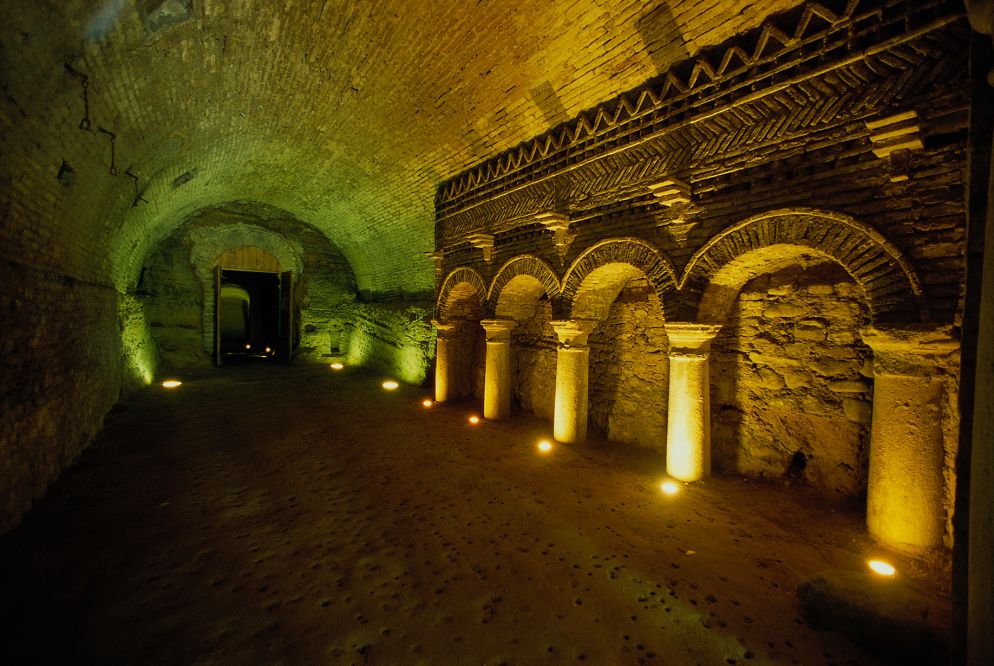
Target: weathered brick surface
59	376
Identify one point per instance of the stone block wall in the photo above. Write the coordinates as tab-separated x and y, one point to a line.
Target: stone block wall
792	380
533	362
394	338
629	370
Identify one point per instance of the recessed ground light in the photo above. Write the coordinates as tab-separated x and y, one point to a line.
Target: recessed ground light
474	419
337	366
268	350
248	346
544	446
669	487
171	383
882	568
427	403
390	385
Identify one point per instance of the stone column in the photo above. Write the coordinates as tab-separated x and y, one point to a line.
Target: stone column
688	419
497	387
445	361
572	361
904	495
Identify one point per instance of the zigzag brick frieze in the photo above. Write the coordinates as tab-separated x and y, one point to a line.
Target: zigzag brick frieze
828	53
779	119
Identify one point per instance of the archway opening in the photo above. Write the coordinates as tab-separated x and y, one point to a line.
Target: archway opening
467	354
248	319
791	380
629	367
533	344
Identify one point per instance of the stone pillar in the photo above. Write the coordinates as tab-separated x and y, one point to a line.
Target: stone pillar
688	419
497	388
445	362
904	495
572	360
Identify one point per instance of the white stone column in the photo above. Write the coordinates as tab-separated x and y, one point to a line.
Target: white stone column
445	362
688	419
904	495
497	386
572	361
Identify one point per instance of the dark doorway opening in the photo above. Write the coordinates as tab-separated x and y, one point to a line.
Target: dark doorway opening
249	322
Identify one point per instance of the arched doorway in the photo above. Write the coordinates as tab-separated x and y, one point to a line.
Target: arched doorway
253	307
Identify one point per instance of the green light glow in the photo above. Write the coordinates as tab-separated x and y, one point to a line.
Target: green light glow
137	346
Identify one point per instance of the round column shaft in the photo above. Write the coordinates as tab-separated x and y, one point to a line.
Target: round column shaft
572	364
688	421
497	386
904	495
444	361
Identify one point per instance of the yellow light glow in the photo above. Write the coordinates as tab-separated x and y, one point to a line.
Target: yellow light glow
544	446
474	419
427	403
337	366
390	385
881	567
268	350
248	346
171	383
669	487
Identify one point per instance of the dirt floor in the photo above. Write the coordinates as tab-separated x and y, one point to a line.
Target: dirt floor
305	516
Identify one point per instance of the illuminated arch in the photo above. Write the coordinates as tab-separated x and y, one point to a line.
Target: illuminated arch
599	274
518	285
462	295
719	269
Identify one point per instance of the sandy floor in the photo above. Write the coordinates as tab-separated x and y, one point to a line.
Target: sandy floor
302	516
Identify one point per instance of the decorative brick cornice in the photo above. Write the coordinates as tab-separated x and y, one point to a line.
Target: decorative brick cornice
790	48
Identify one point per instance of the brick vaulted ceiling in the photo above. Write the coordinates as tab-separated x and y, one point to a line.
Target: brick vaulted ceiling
120	118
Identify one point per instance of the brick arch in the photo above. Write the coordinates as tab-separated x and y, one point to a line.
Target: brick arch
892	288
461	284
518	285
633	253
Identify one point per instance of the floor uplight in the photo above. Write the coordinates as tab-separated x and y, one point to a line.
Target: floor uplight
427	403
474	419
390	385
880	567
544	446
171	383
669	487
337	366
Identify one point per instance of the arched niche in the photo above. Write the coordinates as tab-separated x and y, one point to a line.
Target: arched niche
459	308
624	285
526	290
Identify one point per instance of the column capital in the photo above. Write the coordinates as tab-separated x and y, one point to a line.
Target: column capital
446	328
498	329
910	350
573	332
693	338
